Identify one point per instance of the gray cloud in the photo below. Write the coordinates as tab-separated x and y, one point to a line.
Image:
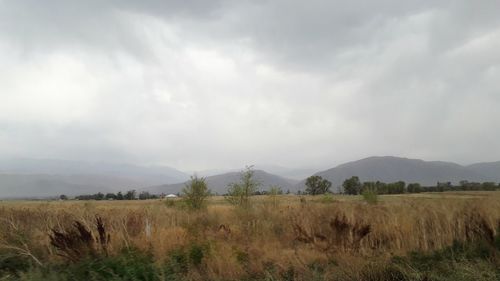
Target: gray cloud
202	84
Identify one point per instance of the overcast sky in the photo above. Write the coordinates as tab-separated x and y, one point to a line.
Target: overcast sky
213	84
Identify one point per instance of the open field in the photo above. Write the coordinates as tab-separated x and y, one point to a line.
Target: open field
278	238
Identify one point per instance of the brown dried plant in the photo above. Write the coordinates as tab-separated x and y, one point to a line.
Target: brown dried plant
78	242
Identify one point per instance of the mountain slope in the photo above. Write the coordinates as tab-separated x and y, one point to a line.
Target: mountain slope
487	169
219	183
42	178
391	169
161	174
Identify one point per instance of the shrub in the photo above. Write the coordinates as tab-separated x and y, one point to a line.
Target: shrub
130	264
195	193
178	263
11	264
239	193
242	257
370	196
196	254
327	198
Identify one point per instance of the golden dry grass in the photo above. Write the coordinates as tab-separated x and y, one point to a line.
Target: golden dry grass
291	232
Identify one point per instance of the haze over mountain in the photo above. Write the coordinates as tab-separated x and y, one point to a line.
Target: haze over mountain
391	169
487	169
48	177
219	183
42	178
285	172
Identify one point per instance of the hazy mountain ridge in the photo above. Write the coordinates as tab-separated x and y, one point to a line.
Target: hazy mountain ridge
391	169
296	174
46	177
42	178
487	169
219	183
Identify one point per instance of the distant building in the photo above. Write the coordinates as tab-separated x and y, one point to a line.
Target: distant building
171	196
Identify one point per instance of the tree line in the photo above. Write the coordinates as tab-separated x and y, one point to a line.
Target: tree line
239	193
353	186
129	195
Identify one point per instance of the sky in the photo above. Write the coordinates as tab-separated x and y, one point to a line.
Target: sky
223	84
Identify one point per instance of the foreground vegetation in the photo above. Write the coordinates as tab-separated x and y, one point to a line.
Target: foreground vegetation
431	236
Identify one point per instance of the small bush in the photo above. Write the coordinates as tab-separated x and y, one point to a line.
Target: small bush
195	193
178	263
128	265
242	257
196	254
327	198
370	196
239	193
171	203
11	264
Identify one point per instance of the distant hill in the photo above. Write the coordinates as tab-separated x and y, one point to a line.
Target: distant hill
488	170
219	183
40	186
391	169
289	173
42	177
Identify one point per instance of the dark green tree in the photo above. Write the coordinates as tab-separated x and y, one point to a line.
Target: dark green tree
414	188
99	196
317	185
130	195
119	196
110	196
352	186
489	186
396	187
145	195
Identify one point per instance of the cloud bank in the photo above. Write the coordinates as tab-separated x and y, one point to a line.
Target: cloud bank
204	84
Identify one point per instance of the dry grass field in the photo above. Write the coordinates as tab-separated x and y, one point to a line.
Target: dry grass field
278	238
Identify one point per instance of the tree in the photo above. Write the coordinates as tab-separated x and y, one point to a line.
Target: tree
489	186
317	185
196	192
63	197
239	193
119	196
414	188
381	187
352	186
110	196
396	187
444	186
99	196
146	195
130	195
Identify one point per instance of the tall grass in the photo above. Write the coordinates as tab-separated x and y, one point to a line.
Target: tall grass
341	239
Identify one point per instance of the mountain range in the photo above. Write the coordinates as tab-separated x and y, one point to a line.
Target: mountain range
31	178
427	173
34	178
219	183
